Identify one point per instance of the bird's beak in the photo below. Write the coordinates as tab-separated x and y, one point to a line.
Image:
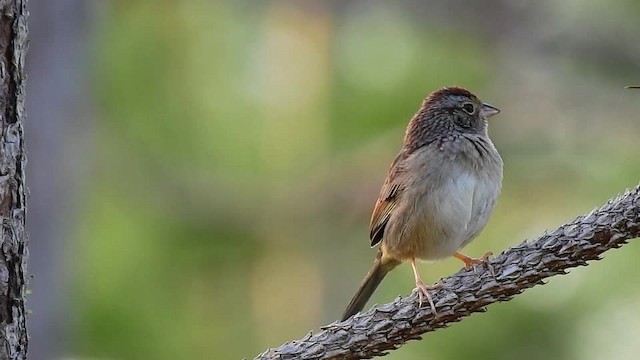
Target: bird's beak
488	111
632	87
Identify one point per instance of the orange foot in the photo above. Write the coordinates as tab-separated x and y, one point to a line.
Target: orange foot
470	262
423	291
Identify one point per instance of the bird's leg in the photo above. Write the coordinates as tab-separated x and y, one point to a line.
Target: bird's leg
470	262
422	289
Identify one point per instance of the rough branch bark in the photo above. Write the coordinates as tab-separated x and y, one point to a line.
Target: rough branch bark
389	326
13	249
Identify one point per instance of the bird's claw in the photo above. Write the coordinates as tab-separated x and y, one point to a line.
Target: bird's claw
470	263
423	291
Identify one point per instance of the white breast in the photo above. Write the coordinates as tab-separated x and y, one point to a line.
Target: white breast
457	211
452	205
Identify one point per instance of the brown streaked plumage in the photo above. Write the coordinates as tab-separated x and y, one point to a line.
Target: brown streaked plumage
439	191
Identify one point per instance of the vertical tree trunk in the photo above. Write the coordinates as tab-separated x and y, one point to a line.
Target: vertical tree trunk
13	247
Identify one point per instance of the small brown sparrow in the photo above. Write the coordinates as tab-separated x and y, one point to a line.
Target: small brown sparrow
439	192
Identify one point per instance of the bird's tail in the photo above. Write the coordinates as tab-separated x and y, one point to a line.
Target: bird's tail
381	266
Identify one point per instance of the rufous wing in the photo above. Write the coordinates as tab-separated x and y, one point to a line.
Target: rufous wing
388	199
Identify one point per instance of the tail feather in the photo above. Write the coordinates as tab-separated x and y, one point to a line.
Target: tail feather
381	266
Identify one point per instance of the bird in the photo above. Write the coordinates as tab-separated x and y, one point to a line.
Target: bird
439	192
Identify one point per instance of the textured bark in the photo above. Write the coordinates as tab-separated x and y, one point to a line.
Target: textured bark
389	326
13	249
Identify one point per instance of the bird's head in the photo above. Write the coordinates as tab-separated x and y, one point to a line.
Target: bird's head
447	112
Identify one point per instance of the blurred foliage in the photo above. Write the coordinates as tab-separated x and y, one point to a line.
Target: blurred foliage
241	146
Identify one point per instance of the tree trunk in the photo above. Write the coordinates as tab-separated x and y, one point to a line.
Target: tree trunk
13	238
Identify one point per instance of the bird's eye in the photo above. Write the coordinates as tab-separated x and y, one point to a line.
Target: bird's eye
469	108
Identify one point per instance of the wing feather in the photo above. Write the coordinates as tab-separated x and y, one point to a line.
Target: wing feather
387	200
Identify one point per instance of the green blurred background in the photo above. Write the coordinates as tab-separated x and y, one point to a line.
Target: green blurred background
202	172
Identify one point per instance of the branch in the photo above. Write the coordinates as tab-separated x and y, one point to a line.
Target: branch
389	326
